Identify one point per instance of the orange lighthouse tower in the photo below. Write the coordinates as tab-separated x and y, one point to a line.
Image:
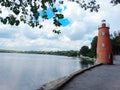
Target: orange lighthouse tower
104	50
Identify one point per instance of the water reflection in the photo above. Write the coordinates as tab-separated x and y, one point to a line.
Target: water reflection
85	64
30	71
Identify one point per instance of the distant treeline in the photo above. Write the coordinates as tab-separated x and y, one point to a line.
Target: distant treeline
63	53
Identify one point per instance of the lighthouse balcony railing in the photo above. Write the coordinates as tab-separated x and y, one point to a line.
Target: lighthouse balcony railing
106	25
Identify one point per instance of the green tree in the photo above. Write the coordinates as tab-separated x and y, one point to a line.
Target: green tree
84	50
72	53
94	46
92	51
115	40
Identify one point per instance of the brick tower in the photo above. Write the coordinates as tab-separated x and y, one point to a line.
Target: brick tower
104	50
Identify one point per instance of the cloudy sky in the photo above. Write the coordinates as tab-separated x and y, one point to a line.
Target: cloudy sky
82	27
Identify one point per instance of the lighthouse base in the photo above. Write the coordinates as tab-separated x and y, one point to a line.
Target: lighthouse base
104	58
106	63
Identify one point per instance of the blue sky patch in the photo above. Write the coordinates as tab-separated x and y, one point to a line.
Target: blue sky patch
65	7
64	22
90	38
51	14
59	10
41	13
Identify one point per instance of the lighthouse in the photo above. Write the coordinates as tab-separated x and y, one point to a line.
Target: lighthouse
104	49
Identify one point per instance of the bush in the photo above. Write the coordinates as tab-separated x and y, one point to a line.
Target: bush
90	54
86	61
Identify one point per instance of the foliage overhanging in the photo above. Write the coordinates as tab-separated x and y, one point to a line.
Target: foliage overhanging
28	11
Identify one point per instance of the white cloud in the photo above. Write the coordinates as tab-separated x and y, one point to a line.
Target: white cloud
82	29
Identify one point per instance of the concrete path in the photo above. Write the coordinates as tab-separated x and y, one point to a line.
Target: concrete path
105	77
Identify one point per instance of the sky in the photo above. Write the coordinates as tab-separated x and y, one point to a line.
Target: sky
79	28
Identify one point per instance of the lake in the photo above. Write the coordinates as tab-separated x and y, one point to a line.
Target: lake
30	71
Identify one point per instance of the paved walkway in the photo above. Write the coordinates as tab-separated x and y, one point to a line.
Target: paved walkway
105	77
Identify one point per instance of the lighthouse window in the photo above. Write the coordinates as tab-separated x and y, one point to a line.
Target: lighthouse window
108	56
103	33
103	45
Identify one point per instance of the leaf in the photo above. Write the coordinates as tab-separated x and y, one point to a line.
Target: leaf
60	16
56	23
45	16
11	19
54	10
17	22
56	31
61	2
36	15
40	26
16	11
8	3
0	11
4	21
44	7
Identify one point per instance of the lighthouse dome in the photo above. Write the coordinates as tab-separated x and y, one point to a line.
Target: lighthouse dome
103	21
103	24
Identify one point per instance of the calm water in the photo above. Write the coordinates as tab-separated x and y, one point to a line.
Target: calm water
30	71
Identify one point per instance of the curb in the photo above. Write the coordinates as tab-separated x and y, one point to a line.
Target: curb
59	83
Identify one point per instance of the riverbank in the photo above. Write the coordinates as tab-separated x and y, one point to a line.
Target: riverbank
88	58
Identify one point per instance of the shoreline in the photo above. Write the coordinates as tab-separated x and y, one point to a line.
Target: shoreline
88	58
69	53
